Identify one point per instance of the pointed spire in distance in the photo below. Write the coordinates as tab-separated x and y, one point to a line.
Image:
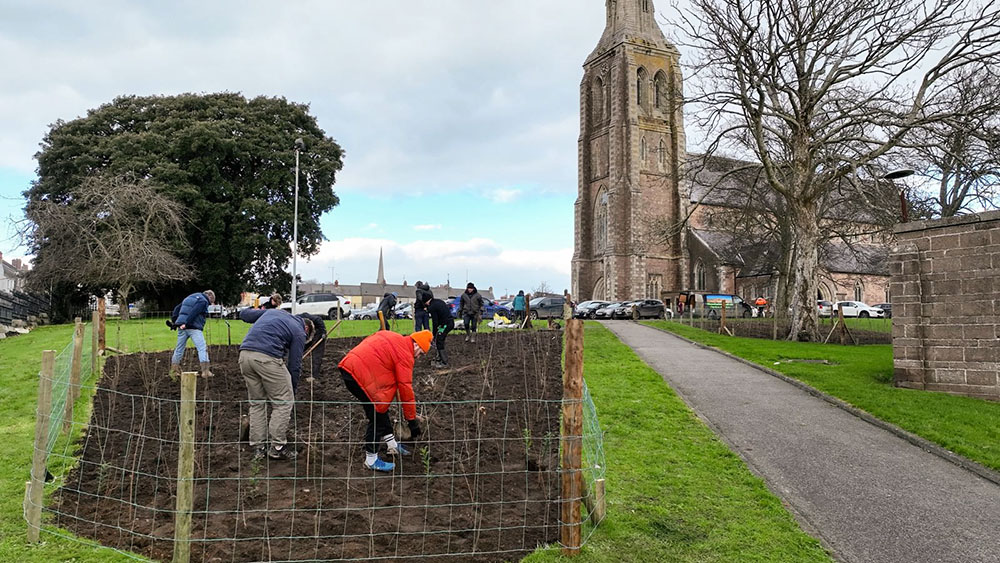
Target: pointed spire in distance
381	269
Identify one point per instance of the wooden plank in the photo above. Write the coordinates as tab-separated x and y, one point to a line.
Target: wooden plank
600	505
73	391
572	440
36	486
185	469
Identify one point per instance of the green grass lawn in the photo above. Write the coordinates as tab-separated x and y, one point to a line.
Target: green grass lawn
862	376
675	492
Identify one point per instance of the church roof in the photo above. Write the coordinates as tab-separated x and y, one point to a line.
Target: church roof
763	258
738	184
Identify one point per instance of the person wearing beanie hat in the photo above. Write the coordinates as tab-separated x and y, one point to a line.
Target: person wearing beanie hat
375	371
386	309
443	324
471	308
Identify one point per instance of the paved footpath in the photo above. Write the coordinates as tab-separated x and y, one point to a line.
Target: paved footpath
868	494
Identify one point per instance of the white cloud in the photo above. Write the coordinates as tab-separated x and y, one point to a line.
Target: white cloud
427	227
371	226
483	261
503	195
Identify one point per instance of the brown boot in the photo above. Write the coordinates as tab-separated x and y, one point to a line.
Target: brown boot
175	371
205	372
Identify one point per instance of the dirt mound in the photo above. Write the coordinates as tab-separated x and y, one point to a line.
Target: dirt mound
482	484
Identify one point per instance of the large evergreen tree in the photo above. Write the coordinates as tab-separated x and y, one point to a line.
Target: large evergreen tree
228	160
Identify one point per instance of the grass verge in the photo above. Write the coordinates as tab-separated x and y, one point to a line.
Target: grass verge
862	376
675	492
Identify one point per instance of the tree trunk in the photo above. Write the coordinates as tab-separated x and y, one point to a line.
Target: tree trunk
803	273
123	293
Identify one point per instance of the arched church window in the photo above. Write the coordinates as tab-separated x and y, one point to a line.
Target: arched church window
660	90
661	154
597	100
699	276
640	86
601	221
859	291
645	5
642	151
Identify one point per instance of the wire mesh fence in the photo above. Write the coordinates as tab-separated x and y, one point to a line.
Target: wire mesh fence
853	330
482	483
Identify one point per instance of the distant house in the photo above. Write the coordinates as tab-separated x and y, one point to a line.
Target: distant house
10	274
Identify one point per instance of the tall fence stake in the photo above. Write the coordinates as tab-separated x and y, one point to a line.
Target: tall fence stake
36	486
95	319
185	470
572	439
102	315
73	390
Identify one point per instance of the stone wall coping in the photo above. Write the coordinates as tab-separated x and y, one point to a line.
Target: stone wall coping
916	226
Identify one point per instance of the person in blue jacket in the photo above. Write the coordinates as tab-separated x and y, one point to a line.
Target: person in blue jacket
189	319
274	335
519	303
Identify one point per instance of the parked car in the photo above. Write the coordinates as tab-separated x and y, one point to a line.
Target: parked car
607	311
858	309
322	304
547	307
887	307
624	310
648	309
588	309
825	308
368	312
403	311
490	308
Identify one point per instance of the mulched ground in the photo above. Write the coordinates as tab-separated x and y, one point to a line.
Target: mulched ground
481	485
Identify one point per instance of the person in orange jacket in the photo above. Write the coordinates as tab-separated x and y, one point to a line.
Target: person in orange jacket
375	371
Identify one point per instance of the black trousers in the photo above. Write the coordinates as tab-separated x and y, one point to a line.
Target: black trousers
378	422
439	337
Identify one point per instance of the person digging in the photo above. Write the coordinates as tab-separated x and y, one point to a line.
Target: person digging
274	335
188	318
442	323
375	371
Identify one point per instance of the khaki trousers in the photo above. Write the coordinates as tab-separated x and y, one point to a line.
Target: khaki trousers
267	379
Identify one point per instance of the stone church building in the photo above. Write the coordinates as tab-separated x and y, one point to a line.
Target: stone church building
631	190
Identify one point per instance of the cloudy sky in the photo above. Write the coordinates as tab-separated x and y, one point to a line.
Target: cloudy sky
459	118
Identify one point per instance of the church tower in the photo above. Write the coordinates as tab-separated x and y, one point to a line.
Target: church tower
630	148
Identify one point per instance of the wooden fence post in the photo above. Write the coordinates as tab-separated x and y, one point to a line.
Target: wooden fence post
185	469
526	322
572	439
73	389
94	321
102	315
36	486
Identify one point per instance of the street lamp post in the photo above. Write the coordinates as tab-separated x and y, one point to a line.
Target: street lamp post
299	146
895	175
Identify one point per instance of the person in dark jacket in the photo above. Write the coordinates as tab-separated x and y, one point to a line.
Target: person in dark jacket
319	340
386	309
471	308
421	319
274	335
519	303
442	323
189	319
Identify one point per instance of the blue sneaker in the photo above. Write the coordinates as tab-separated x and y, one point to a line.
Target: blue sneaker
400	449
379	465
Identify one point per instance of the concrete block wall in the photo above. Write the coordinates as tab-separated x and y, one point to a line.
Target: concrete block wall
946	305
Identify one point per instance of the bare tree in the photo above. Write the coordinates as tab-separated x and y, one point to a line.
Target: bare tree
816	92
541	289
961	154
110	233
